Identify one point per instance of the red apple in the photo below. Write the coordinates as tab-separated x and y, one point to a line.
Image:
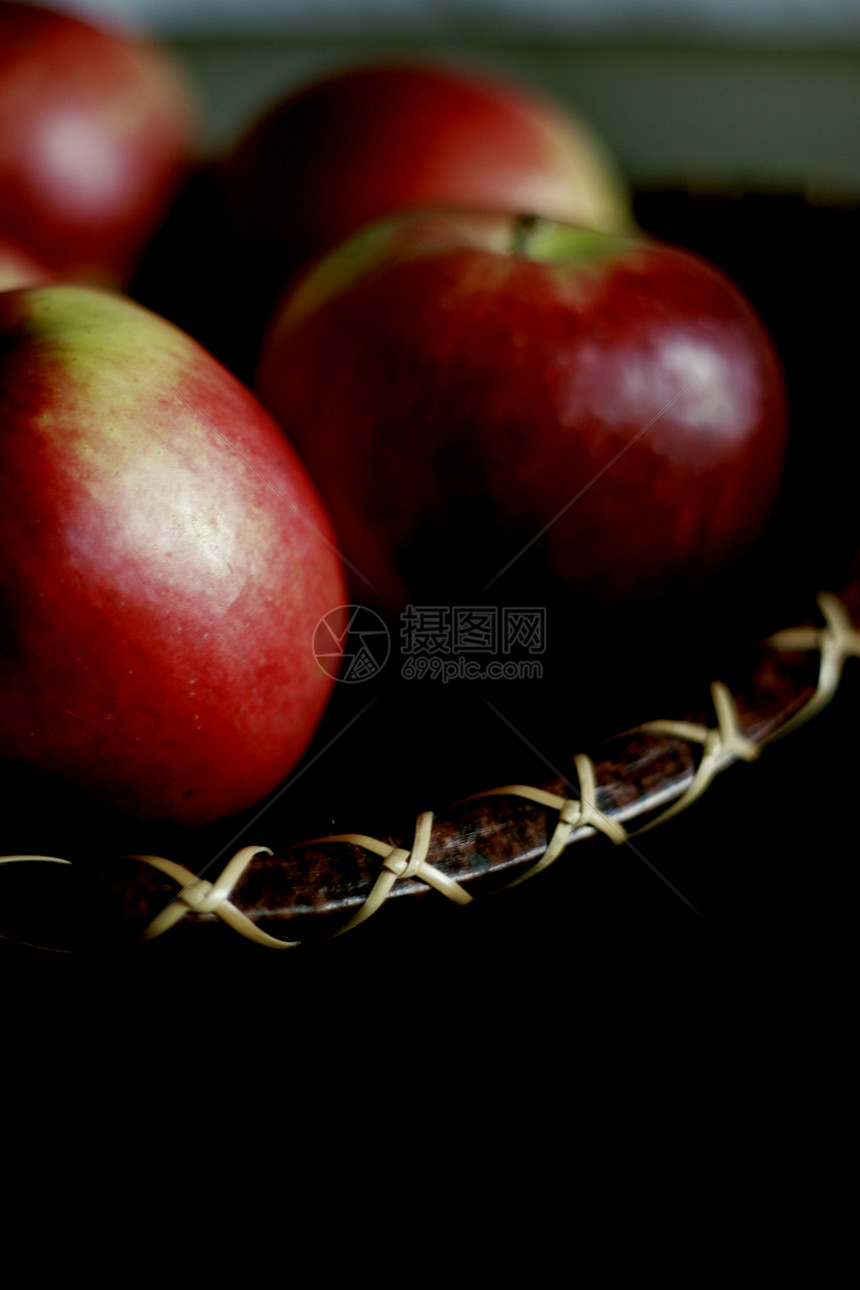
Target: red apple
95	130
478	393
373	140
19	269
164	560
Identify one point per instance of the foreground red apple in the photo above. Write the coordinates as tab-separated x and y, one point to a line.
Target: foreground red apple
164	560
95	131
479	394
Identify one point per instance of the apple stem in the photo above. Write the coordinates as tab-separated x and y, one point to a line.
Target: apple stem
524	229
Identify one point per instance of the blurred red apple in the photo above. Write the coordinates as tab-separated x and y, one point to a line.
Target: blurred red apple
478	394
374	140
364	143
164	560
95	131
18	269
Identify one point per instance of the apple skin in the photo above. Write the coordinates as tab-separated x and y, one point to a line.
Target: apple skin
19	269
373	140
592	413
164	559
367	142
96	128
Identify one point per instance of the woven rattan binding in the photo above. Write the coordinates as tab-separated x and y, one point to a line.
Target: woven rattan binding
835	640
